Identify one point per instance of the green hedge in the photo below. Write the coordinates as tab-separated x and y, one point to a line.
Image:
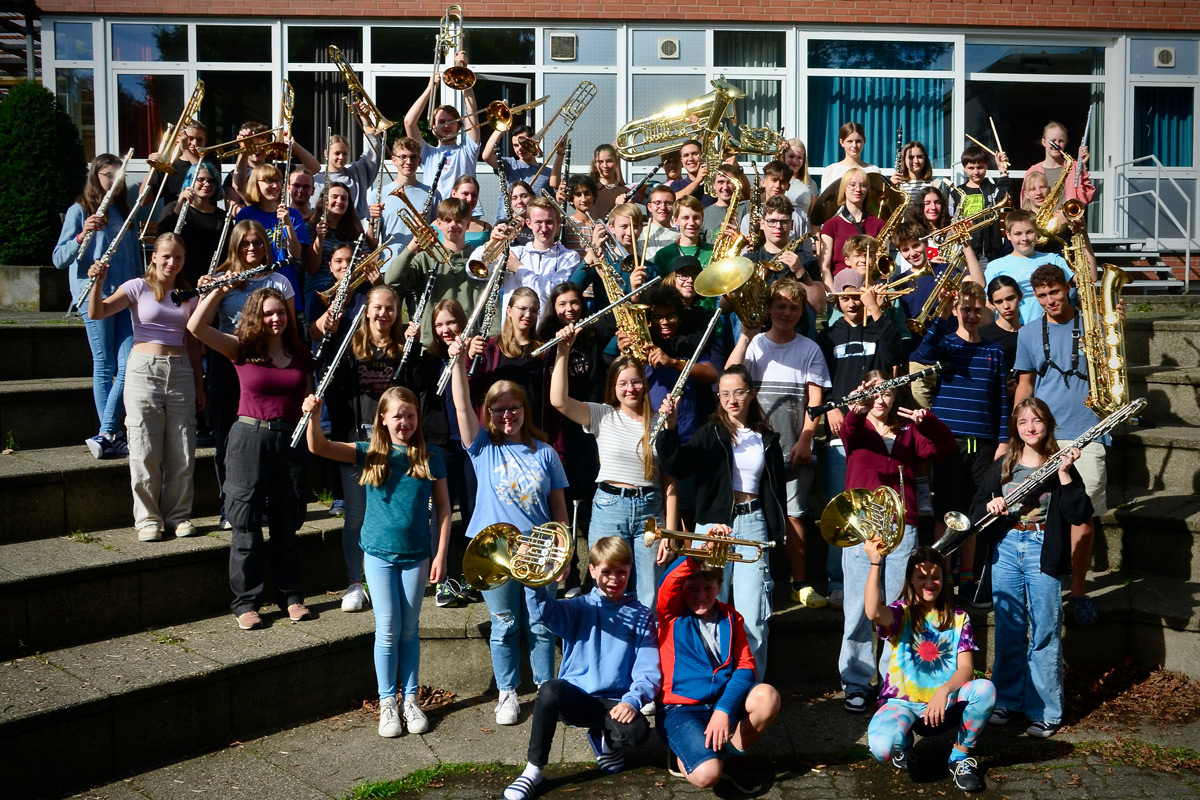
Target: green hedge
42	171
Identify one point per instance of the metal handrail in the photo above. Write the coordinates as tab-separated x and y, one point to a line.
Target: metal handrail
1159	208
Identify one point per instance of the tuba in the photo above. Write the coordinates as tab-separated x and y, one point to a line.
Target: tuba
717	556
500	551
377	122
856	515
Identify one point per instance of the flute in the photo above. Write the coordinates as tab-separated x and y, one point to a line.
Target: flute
298	434
595	316
871	391
179	296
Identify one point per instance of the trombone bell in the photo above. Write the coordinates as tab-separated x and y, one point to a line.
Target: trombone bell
458	78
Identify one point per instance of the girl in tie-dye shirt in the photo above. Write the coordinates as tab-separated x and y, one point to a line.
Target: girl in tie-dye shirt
930	685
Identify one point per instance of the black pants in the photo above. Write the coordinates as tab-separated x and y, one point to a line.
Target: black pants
261	466
559	700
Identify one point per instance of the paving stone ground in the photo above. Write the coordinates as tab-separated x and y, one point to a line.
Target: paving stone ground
815	751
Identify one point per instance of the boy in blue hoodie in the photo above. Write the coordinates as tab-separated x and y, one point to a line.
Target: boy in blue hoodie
609	667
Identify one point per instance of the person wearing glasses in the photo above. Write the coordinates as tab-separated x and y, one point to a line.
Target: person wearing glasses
660	230
508	357
202	226
406	158
286	232
778	229
248	249
520	482
191	142
300	190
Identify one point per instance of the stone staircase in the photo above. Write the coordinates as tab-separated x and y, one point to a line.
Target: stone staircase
123	655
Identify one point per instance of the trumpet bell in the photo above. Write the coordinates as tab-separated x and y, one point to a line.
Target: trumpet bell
722	277
856	515
458	78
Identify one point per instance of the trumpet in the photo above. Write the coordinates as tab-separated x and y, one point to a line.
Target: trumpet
376	123
905	284
499	114
422	231
449	40
358	273
716	556
247	145
493	250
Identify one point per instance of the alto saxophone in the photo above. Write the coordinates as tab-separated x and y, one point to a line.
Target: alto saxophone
1048	225
1103	329
630	317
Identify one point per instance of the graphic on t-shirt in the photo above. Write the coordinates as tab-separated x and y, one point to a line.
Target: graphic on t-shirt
972	204
924	657
516	486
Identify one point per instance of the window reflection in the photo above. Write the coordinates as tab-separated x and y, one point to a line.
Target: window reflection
846	54
233	43
146	105
311	44
403	46
76	96
231	98
73	41
149	42
498	45
1035	59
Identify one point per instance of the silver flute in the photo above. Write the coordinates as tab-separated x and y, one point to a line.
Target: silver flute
596	315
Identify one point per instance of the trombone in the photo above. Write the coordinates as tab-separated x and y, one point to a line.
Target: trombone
449	40
247	145
170	141
716	556
499	114
377	123
570	111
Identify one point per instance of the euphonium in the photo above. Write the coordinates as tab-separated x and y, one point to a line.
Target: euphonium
665	131
717	556
377	123
856	515
1103	329
500	552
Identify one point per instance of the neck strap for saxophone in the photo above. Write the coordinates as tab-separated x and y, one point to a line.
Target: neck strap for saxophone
1048	363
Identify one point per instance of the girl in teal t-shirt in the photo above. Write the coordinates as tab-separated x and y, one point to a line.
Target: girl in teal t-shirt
400	475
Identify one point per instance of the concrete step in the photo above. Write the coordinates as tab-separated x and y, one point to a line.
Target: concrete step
68	590
1164	460
42	345
52	491
1157	534
1173	393
47	412
1162	341
135	701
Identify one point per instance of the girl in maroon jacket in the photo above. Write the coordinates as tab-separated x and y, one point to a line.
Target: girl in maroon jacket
883	443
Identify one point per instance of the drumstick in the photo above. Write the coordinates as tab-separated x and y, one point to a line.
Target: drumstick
981	144
999	146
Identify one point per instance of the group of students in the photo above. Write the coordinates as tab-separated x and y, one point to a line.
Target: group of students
528	440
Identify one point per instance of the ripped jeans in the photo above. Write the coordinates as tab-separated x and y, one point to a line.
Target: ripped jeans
506	604
750	585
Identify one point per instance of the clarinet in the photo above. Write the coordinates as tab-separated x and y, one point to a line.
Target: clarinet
960	528
437	177
298	434
677	389
490	309
492	285
815	412
642	183
179	223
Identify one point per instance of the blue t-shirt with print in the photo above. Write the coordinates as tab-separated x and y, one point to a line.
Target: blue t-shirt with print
396	525
514	483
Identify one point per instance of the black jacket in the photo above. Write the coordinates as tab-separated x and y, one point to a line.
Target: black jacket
1069	505
709	456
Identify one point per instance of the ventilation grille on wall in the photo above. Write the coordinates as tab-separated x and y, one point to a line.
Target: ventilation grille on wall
668	48
563	46
1164	57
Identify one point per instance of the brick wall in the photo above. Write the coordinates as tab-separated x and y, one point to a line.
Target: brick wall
1138	15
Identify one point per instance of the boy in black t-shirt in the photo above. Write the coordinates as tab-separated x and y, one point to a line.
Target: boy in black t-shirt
979	192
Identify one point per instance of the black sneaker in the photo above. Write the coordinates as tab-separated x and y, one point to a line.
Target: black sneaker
903	761
966	775
468	593
856	702
446	595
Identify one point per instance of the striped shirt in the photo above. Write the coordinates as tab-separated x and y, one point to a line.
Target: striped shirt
971	396
781	373
619	442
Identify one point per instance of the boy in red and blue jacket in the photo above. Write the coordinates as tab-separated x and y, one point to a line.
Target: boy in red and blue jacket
713	709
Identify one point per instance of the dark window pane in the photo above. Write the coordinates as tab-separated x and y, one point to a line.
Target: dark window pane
839	54
749	49
1035	59
311	44
394	94
149	42
231	98
236	43
497	45
319	105
146	105
76	96
511	90
880	105
403	46
1021	133
1163	120
73	41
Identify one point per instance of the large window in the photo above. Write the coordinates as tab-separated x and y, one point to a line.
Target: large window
146	105
135	42
1163	123
75	89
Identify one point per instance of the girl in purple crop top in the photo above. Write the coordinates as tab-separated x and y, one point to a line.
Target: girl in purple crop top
163	390
275	374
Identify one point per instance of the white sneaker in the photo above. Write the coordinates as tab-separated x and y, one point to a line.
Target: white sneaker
508	710
355	598
389	718
649	709
414	717
836	598
186	528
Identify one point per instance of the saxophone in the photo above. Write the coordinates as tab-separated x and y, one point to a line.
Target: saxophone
750	299
1049	226
754	227
630	317
884	263
1103	329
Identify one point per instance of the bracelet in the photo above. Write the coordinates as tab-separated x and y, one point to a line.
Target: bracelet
876	563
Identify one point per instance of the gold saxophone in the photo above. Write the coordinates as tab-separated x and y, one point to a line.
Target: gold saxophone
884	263
630	317
1103	329
1048	225
753	227
750	298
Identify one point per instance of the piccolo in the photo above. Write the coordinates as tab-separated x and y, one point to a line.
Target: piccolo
179	297
595	317
871	391
298	434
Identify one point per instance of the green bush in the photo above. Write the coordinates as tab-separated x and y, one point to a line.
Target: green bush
41	173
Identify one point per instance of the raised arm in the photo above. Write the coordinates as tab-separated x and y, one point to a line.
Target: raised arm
412	119
199	324
460	392
873	608
569	407
488	154
318	444
100	307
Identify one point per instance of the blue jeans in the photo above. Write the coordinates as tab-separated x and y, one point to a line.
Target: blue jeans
856	662
506	604
626	517
835	484
355	499
111	340
396	593
750	585
1028	664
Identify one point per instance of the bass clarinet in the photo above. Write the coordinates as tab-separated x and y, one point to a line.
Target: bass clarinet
872	391
959	527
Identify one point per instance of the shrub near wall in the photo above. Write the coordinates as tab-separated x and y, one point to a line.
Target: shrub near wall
42	169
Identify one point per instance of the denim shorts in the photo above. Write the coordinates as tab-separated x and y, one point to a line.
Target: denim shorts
683	727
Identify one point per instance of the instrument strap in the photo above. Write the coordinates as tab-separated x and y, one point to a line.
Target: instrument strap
1049	362
845	214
